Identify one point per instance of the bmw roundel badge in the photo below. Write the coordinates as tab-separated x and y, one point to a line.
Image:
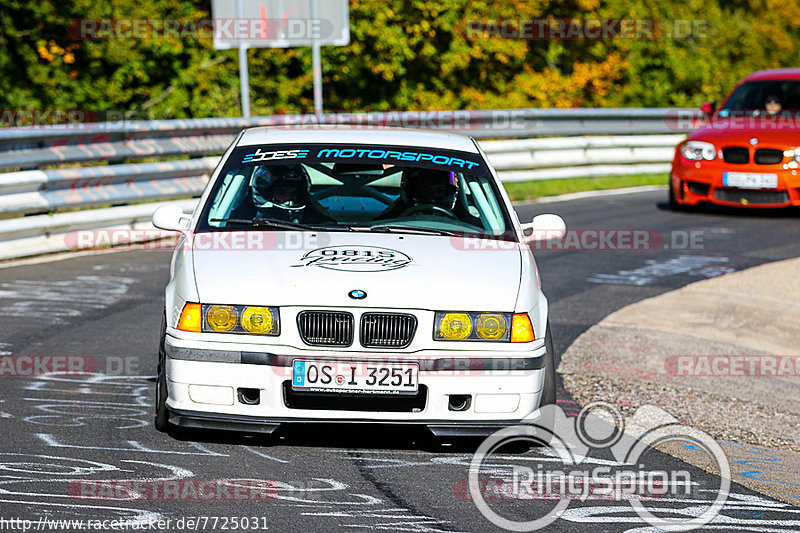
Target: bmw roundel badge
357	294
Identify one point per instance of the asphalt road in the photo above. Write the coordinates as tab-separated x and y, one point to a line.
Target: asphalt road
57	431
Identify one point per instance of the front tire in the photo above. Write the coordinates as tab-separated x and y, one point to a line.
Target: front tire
162	392
547	416
549	387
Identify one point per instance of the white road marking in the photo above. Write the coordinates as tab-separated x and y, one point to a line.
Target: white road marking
205	450
694	265
141	516
56	301
264	455
23	469
364	507
135	446
416	524
546	455
177	471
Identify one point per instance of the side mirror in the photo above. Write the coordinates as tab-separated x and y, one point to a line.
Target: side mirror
708	108
170	218
545	228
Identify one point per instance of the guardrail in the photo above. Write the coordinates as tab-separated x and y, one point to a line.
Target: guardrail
612	142
571	157
499	124
32	191
42	234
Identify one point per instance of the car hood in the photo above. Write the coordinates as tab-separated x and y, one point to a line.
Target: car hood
321	269
739	132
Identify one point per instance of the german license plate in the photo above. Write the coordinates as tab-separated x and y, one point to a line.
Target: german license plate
750	180
374	377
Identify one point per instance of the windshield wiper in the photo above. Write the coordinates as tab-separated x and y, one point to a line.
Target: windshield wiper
401	228
281	224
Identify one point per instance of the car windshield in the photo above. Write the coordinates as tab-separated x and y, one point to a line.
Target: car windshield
356	188
755	95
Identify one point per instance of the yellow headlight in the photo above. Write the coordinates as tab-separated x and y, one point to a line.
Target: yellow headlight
190	318
221	317
491	326
455	326
258	320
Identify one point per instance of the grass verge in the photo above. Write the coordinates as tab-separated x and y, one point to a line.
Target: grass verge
530	190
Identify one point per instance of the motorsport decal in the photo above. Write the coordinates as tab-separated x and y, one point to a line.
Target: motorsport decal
258	155
393	155
355	258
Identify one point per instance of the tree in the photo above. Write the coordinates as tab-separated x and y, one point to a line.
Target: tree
403	54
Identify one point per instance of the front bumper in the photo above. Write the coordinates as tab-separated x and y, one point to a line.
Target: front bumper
254	424
204	389
698	182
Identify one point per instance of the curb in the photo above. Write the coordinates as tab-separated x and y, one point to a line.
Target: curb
629	359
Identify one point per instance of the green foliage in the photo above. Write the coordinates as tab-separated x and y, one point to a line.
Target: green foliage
403	54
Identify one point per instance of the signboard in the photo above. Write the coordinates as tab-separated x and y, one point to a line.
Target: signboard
280	23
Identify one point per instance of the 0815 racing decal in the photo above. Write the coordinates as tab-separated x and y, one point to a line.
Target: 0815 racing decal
355	258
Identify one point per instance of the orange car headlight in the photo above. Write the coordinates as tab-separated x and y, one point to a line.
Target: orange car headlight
521	328
191	318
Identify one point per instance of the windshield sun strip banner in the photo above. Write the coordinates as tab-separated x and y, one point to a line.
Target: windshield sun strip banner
359	153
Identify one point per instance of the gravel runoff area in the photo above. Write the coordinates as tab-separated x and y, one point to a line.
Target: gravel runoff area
662	351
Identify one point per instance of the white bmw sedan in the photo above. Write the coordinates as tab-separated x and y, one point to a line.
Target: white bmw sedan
354	276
